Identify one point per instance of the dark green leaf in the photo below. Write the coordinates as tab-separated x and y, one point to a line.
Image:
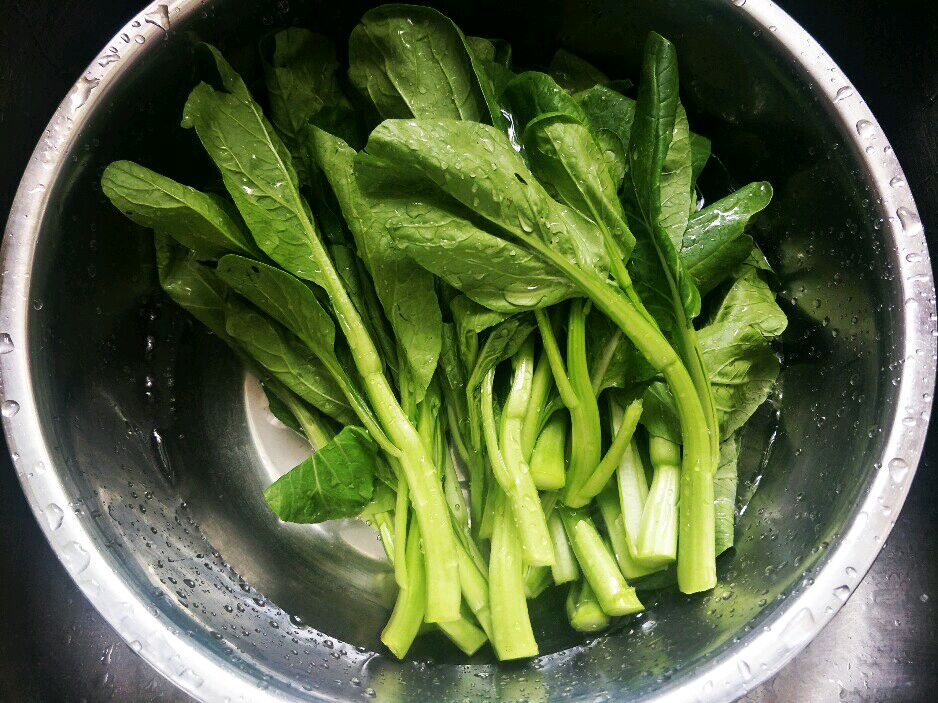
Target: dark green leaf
446	238
715	244
653	127
280	411
285	298
414	62
302	76
406	291
659	415
258	172
657	191
192	286
531	94
287	360
573	73
699	155
569	163
736	350
335	482
476	165
613	360
676	191
608	111
203	222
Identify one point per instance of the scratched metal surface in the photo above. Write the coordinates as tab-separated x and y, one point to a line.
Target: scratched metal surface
881	646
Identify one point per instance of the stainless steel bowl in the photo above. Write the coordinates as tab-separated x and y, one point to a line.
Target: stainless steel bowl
142	448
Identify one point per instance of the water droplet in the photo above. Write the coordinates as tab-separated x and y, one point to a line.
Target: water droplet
9	408
739	3
923	597
82	91
898	469
649	625
136	646
75	558
865	129
54	516
6	343
191	678
897	181
140	39
843	93
744	670
107	59
851	572
798	629
911	224
842	592
159	17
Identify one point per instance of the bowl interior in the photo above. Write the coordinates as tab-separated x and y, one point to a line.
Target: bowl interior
166	445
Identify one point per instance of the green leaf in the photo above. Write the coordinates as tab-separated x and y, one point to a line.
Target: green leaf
653	127
657	191
285	298
280	411
360	288
302	76
609	112
335	482
203	222
503	342
406	290
569	163
699	155
415	62
287	360
676	191
573	73
471	319
476	165
724	495
447	239
659	415
258	172
715	244
742	365
531	94
191	285
613	360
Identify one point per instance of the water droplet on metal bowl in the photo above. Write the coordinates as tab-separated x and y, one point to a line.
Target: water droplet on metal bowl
9	408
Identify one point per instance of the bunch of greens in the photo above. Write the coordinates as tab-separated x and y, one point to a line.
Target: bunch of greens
494	302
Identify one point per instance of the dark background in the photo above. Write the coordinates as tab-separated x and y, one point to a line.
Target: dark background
882	646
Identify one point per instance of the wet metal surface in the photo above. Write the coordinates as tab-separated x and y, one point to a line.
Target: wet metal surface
881	646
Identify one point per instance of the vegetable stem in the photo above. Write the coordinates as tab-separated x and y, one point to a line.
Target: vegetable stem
515	478
599	567
513	637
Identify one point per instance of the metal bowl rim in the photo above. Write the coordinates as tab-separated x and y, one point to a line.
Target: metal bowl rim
757	655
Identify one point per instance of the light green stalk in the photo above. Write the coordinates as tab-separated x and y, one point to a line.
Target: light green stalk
511	624
508	466
598	565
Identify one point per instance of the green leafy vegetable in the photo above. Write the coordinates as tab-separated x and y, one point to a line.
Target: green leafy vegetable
203	222
387	300
335	482
414	62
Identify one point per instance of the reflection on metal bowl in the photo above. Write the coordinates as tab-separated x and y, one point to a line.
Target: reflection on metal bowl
144	461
